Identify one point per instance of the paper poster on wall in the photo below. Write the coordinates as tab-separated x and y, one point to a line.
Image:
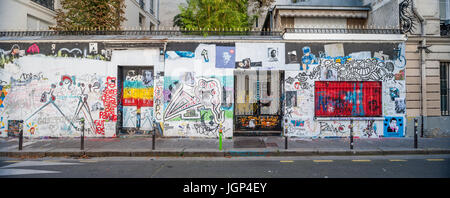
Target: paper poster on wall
400	105
129	116
225	57
146	118
393	126
272	54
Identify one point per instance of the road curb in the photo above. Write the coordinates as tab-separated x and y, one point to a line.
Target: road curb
278	153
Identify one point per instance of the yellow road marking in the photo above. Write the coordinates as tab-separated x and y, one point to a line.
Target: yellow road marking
11	161
287	161
435	160
51	161
360	160
323	160
88	161
397	160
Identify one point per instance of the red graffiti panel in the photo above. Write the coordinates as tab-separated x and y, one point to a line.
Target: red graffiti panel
109	100
348	99
99	127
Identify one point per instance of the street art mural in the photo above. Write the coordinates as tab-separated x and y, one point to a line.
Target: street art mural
49	87
310	90
339	82
198	97
347	98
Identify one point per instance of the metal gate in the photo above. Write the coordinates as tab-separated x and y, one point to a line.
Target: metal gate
258	101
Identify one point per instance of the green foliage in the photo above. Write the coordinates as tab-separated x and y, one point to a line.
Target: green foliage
91	14
213	14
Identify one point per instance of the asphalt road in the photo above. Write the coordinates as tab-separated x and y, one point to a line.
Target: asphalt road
408	166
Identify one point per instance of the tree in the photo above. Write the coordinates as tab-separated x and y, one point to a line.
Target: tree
218	14
92	14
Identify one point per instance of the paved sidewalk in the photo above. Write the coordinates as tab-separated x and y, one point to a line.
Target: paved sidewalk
200	147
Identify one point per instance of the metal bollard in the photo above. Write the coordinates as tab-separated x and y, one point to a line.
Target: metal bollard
351	134
220	136
285	136
82	133
20	136
416	124
153	139
285	142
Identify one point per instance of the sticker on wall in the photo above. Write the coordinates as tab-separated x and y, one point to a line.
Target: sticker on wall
272	54
400	105
225	57
328	74
393	126
93	48
291	98
147	78
292	57
247	64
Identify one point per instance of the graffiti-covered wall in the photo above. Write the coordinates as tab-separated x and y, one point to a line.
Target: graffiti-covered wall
198	90
335	82
49	86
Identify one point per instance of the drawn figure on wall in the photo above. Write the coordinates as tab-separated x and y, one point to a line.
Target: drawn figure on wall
148	78
308	58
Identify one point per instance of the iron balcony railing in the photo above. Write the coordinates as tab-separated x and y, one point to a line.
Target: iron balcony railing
50	4
342	31
204	32
139	33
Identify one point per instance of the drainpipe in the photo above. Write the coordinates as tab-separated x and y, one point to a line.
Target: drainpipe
423	83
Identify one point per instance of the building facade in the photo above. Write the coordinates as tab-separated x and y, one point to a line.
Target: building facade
27	14
302	82
428	55
35	15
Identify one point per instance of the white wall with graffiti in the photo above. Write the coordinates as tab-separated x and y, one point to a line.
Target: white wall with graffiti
198	91
325	111
49	86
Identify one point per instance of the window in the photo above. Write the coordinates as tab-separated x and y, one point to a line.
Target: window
444	15
141	21
141	4
348	99
445	88
46	3
151	7
444	7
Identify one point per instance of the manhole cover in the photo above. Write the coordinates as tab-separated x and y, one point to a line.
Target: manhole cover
249	143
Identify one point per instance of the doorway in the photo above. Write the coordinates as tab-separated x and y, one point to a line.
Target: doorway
135	114
258	102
